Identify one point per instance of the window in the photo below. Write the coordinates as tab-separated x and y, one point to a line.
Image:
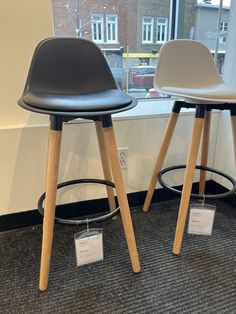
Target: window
150	71
112	28
147	30
97	28
223	31
162	29
130	33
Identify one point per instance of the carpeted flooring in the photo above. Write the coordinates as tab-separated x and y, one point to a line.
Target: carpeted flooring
201	280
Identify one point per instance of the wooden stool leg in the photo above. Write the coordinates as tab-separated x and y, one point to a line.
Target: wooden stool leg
54	145
233	122
160	160
205	148
122	197
105	164
188	181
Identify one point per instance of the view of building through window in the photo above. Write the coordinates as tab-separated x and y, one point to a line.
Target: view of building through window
147	30
97	28
162	30
130	32
112	28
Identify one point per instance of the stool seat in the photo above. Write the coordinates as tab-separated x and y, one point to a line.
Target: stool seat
107	100
220	93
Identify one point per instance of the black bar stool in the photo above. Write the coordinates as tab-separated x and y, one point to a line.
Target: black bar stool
186	69
69	78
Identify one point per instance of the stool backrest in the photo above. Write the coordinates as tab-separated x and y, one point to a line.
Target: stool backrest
187	64
69	65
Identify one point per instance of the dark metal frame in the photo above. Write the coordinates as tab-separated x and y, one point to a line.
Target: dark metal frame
80	221
212	196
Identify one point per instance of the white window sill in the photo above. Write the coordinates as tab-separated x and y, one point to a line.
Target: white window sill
145	109
150	108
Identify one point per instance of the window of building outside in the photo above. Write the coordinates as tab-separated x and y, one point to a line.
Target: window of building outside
162	27
131	33
147	30
112	28
97	28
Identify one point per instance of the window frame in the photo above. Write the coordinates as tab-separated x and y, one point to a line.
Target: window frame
161	24
94	22
151	30
116	28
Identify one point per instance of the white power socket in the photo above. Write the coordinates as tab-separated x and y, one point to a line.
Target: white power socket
123	157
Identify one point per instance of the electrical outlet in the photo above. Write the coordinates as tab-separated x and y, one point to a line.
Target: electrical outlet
123	157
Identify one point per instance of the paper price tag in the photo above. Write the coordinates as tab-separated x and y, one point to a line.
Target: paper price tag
89	246
201	219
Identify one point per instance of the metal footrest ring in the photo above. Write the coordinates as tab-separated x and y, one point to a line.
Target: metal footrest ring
212	196
81	221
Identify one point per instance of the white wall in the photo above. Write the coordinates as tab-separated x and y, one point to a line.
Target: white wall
22	25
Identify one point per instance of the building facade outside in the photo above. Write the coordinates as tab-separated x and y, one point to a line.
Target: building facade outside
206	25
206	29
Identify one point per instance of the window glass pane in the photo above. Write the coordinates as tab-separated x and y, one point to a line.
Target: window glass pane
150	71
130	33
126	32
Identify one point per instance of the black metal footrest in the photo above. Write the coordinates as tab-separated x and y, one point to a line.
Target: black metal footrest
80	221
212	196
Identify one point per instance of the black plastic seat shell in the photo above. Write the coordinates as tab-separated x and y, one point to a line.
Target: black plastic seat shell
76	88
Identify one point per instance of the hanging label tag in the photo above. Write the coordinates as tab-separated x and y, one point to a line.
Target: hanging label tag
201	219
89	246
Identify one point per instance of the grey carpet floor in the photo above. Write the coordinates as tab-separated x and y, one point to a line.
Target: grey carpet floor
201	280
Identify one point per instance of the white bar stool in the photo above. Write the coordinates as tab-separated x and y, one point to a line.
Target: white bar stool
186	69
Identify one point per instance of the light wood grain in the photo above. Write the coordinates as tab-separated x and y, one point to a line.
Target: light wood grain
122	197
105	165
188	181
161	157
205	149
54	145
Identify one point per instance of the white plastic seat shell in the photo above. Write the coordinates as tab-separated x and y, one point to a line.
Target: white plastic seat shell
186	69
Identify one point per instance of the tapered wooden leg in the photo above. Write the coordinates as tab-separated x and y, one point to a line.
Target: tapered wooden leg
54	145
205	148
188	181
160	160
122	197
233	122
105	164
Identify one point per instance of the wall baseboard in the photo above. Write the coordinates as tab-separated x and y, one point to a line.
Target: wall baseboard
79	209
